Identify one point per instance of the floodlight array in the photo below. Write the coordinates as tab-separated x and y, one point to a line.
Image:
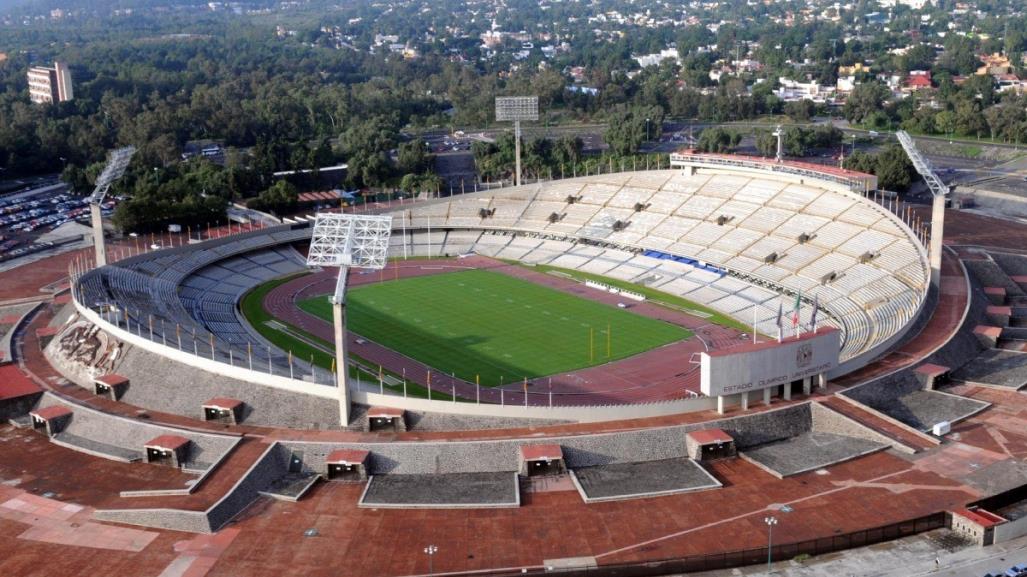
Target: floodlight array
117	163
921	164
352	240
513	108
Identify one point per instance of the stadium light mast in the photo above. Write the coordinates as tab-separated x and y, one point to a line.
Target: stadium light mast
347	241
117	163
939	191
516	109
780	134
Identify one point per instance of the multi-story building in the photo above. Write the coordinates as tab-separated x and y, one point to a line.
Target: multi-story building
49	85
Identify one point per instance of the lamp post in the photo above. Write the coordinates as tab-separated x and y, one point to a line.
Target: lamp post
647	130
430	551
770	521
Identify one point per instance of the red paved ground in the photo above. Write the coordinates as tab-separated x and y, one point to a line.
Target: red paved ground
858	494
659	374
14	383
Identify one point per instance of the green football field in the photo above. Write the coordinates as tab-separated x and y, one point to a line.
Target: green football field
499	328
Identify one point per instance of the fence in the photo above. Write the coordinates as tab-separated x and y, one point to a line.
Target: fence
727	560
273	364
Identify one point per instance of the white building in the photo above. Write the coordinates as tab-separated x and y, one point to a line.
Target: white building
49	85
793	90
654	59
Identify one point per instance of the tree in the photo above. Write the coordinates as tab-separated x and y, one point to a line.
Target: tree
77	179
280	197
766	143
892	167
800	110
866	100
717	139
894	170
413	157
628	128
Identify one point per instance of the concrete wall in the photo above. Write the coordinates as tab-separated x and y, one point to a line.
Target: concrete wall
578	451
1012	530
172	519
132	434
1008	204
826	420
269	467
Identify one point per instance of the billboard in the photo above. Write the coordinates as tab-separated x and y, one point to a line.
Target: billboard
754	367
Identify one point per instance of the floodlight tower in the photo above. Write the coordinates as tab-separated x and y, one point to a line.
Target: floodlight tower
780	134
939	191
347	241
517	108
117	162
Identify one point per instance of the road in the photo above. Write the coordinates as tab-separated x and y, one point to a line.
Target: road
909	557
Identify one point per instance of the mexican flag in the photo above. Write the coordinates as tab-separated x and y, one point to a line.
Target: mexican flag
795	311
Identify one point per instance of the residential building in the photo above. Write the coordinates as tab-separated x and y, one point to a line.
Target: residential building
918	80
791	91
49	85
994	65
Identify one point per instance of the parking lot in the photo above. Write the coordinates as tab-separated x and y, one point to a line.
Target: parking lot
25	215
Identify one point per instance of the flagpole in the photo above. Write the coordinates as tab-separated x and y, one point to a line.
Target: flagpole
780	324
754	323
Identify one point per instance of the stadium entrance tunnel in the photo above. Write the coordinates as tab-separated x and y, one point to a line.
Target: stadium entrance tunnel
346	465
170	450
385	419
50	420
710	445
111	386
223	410
541	460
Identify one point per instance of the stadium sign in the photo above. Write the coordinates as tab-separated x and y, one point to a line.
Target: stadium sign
759	366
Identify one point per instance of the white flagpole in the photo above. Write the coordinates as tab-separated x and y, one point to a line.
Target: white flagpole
429	236
404	236
754	305
780	323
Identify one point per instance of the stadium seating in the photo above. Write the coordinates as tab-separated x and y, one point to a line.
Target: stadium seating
732	242
866	272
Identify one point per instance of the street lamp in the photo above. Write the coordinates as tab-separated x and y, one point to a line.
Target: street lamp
647	130
770	521
430	551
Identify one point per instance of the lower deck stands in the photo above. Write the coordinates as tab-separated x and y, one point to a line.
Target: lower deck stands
808	452
453	490
643	479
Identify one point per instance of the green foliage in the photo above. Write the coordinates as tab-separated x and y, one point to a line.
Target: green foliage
892	167
539	157
800	110
866	101
279	198
413	157
190	193
628	128
717	139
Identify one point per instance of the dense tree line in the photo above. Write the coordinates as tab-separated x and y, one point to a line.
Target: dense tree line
301	102
891	165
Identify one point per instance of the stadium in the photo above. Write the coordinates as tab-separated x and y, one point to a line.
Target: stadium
710	345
